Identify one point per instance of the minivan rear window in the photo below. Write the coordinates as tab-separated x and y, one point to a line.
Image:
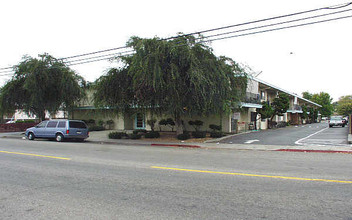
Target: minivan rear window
52	124
77	124
62	124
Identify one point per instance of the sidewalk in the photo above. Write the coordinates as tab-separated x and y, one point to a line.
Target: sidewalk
101	137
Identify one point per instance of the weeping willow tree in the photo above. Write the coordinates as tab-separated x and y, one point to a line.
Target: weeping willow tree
177	77
39	85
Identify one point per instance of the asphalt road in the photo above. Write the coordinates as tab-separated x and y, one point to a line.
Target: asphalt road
311	134
49	180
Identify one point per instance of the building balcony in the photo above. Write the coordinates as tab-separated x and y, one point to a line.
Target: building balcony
252	98
295	109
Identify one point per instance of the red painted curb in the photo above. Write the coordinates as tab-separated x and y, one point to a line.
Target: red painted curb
175	145
315	151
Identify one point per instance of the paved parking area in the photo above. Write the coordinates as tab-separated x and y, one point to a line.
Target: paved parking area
318	134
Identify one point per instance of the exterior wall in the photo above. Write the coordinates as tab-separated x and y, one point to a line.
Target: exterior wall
264	124
224	121
230	122
252	86
100	115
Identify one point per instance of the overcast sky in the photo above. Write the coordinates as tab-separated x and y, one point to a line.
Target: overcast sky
312	58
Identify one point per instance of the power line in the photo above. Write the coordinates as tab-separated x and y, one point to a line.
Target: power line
234	36
281	28
225	27
112	55
275	24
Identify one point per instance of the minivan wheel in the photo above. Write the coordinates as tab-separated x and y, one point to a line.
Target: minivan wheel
30	136
59	138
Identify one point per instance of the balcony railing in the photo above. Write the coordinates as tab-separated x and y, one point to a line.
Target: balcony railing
297	107
252	98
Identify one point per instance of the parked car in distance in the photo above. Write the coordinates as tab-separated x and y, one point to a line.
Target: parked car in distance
336	121
59	130
345	120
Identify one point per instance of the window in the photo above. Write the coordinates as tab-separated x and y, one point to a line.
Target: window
262	95
62	124
42	124
52	124
77	124
140	121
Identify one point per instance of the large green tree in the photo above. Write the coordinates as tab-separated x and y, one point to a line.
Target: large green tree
41	84
322	99
344	105
280	105
178	77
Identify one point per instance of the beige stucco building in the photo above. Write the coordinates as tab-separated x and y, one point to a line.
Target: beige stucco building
242	119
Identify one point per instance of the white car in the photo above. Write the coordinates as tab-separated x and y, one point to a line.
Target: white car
336	121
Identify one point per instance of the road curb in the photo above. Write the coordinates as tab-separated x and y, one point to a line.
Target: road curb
176	145
315	151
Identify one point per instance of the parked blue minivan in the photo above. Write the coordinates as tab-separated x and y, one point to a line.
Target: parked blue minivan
59	130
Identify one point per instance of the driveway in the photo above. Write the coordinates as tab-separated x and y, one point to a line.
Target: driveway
311	134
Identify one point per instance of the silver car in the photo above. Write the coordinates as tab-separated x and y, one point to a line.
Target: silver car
336	121
59	130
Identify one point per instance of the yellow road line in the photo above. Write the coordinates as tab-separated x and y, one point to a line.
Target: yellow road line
251	175
35	155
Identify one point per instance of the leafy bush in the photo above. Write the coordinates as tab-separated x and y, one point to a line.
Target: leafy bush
25	121
196	124
216	134
116	135
135	136
199	134
167	122
183	136
137	131
215	127
91	121
152	134
96	128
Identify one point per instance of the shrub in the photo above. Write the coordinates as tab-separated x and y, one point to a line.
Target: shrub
137	131
196	124
116	135
152	134
216	134
96	128
170	123
215	127
134	136
199	134
101	123
91	121
26	121
183	136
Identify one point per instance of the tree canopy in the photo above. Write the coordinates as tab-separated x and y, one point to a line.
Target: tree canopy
322	99
39	85
280	105
344	105
178	77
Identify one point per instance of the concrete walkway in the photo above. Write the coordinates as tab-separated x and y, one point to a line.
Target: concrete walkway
101	137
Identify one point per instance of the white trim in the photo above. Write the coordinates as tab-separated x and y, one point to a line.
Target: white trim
294	111
251	105
285	91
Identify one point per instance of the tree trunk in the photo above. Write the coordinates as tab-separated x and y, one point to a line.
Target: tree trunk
179	125
41	115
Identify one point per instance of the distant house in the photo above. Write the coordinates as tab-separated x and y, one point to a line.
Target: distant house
259	91
243	119
20	115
